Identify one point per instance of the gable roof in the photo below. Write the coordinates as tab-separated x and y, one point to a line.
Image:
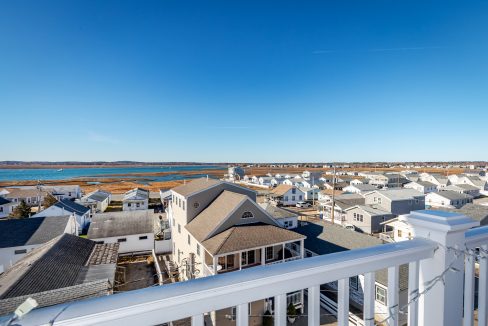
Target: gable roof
98	195
60	263
398	194
371	210
281	189
136	194
72	207
476	212
424	183
31	231
277	212
4	201
462	186
196	185
363	187
214	214
108	225
248	236
451	195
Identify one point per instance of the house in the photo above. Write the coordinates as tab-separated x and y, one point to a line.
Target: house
31	196
367	218
276	181
6	207
286	195
310	193
359	181
64	191
19	236
285	218
337	186
235	173
218	227
341	204
64	269
448	198
324	238
265	181
475	181
439	180
422	186
67	207
465	188
396	201
134	231
135	199
326	194
358	188
97	201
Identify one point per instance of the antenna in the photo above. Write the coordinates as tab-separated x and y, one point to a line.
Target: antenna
207	177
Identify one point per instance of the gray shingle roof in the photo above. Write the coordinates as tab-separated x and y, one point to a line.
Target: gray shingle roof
72	207
116	224
452	195
400	194
326	238
4	201
476	212
55	265
31	231
98	195
277	212
136	194
195	186
242	237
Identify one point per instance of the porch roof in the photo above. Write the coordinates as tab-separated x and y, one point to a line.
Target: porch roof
242	237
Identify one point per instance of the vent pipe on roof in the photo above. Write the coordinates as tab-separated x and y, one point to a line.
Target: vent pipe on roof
207	177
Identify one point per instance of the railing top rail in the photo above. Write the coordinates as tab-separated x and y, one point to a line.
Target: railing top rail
161	304
477	237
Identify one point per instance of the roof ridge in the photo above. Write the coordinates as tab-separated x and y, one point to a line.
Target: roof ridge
226	238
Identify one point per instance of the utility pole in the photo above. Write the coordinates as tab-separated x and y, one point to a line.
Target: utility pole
39	195
333	196
313	192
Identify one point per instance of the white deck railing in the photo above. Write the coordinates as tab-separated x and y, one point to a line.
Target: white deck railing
431	256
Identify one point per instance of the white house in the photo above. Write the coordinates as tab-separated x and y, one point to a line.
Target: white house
265	181
134	231
135	199
284	217
97	201
439	180
67	207
465	188
422	186
19	236
310	193
6	207
287	195
358	188
447	198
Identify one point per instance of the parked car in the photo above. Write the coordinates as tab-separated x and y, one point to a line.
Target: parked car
303	204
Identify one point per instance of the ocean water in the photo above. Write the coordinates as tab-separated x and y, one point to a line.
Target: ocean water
54	174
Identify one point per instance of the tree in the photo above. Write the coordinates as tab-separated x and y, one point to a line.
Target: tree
48	201
21	211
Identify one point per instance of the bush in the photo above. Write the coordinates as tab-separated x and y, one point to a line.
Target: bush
291	311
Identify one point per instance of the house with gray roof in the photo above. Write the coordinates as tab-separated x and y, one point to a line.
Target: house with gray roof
422	186
5	207
284	217
134	231
367	218
219	227
97	201
448	198
135	199
465	188
20	236
396	201
68	207
66	268
359	188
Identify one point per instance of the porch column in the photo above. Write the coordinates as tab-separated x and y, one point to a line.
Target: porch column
283	254
240	260
443	303
263	256
215	262
302	249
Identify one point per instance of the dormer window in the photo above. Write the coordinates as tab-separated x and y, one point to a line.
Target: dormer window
247	215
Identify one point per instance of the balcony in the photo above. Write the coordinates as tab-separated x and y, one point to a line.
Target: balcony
442	261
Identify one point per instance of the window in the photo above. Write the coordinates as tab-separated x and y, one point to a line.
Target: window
287	224
122	240
196	205
1	209
143	237
128	205
292	198
286	198
354	283
20	251
247	215
380	294
198	249
300	197
233	311
189	240
183	205
293	191
138	205
179	228
99	242
248	258
269	253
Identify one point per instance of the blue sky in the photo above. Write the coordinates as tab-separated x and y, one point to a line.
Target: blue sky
244	80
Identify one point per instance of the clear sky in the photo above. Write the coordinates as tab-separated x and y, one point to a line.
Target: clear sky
244	80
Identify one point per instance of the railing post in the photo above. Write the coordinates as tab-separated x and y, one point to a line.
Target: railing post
442	303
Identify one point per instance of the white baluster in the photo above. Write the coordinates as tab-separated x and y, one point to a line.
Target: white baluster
369	298
314	305
413	289
197	320
483	289
393	273
468	290
343	302
242	311
280	310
